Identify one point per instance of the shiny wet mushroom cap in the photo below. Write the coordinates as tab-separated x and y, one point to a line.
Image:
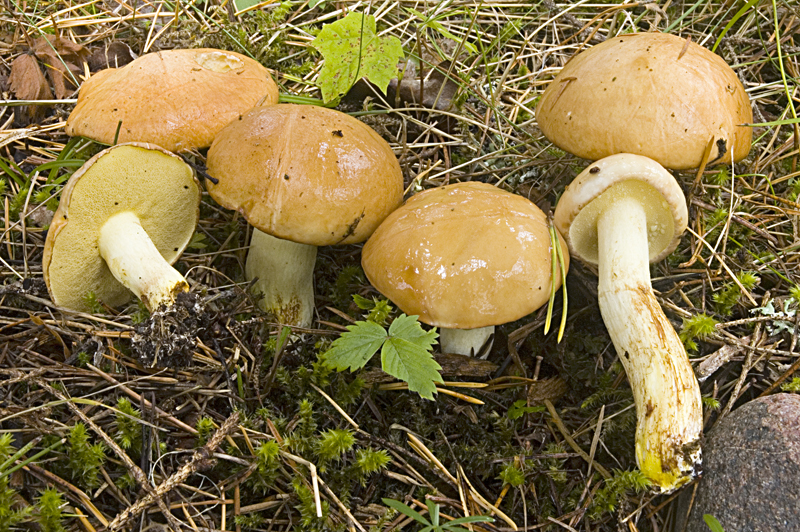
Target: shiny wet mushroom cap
177	99
463	257
650	94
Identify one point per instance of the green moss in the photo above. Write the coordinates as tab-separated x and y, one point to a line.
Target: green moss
696	328
84	458
49	506
129	430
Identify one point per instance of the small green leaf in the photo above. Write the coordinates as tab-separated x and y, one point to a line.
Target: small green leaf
363	303
518	409
353	50
470	519
712	523
406	355
433	511
405	352
353	349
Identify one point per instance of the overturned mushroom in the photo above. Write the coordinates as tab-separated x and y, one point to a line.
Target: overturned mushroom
125	216
620	214
463	257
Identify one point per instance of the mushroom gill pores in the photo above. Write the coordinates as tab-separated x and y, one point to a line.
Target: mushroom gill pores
124	217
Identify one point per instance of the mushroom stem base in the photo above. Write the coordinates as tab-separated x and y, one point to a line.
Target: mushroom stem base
464	341
285	273
665	390
135	261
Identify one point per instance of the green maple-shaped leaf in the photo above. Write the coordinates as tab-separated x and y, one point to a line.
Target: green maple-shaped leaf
353	50
405	352
406	355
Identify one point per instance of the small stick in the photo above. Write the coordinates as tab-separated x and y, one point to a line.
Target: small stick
560	424
201	455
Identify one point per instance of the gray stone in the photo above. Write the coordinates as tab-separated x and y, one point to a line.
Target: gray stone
751	470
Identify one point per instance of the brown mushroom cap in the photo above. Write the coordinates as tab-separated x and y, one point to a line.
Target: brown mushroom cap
145	179
177	99
615	176
307	174
652	94
463	256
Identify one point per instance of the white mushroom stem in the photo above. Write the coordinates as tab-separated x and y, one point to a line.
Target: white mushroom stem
285	273
665	389
464	341
135	261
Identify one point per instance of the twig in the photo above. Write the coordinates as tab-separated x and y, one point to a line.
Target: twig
198	460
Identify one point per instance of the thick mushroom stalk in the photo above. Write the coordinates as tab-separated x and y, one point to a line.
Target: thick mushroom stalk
137	264
622	213
464	341
284	273
665	389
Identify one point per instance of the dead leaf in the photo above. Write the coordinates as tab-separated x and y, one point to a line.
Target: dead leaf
452	366
115	55
27	82
549	389
62	59
435	91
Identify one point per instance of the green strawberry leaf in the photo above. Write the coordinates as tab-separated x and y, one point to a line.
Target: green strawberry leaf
406	355
353	349
353	50
405	352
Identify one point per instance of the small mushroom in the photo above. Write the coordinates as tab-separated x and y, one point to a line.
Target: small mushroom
620	214
465	258
303	176
125	216
651	94
177	99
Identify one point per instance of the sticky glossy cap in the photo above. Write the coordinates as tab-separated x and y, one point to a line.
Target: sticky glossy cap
463	256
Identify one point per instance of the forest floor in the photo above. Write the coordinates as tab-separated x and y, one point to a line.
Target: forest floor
258	434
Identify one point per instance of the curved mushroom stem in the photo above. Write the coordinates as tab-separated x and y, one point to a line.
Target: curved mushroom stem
285	272
135	262
665	390
464	341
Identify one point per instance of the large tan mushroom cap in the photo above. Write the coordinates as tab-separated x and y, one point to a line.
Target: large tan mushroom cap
651	94
307	174
613	177
463	256
155	185
177	99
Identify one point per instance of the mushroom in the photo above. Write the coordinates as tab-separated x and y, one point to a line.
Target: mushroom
465	258
303	176
125	216
620	214
668	99
651	94
178	99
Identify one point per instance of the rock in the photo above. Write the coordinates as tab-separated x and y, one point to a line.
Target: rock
751	470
